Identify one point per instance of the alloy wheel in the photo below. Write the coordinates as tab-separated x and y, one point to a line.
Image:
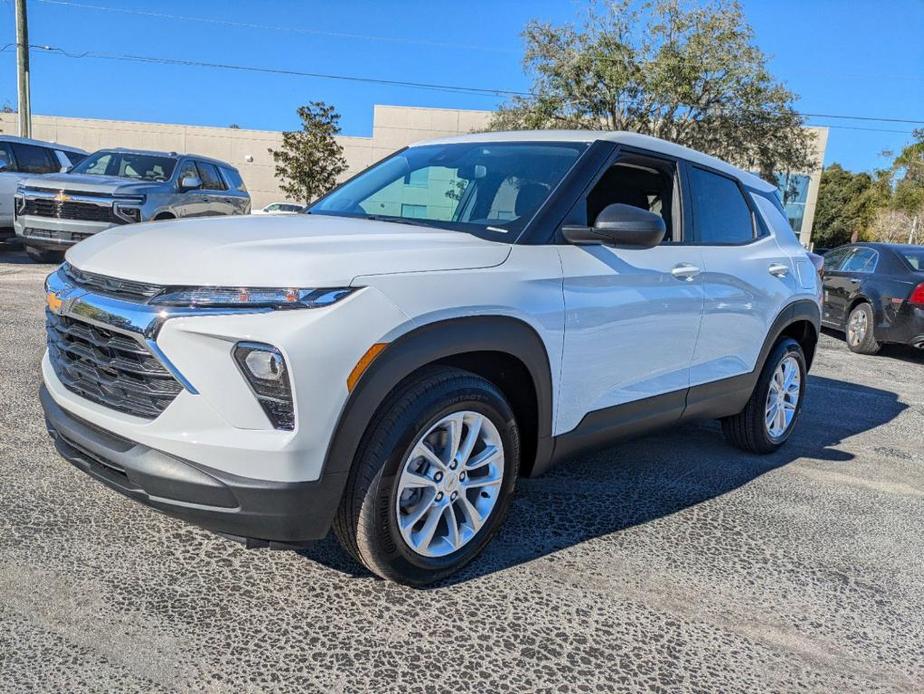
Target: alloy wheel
783	397
449	484
857	327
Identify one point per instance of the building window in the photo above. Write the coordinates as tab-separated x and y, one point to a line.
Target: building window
793	192
414	211
418	179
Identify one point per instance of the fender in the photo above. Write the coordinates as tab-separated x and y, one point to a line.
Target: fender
430	343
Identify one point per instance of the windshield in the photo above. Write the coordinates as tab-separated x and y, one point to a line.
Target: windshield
914	257
141	167
483	188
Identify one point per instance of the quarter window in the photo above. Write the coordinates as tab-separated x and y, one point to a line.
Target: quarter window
32	159
720	213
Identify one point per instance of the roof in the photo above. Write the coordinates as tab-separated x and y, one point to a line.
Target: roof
173	155
652	144
41	143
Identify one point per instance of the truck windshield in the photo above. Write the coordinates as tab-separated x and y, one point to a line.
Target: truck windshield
488	189
141	167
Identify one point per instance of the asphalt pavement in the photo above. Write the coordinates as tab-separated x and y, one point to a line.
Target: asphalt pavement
669	563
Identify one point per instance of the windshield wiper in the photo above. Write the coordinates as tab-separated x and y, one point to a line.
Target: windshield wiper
398	220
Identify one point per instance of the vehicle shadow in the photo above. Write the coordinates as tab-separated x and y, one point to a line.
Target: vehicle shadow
904	353
652	477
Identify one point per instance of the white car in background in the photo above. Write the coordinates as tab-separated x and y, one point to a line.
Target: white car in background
21	157
280	208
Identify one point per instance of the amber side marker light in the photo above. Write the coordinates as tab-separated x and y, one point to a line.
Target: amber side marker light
363	364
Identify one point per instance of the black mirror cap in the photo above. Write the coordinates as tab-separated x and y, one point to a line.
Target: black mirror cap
630	226
622	226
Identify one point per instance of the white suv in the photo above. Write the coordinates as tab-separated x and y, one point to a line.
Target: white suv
466	312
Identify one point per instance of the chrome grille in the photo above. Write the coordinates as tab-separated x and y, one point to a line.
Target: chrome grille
111	286
108	368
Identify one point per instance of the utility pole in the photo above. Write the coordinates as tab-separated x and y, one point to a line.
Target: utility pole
22	69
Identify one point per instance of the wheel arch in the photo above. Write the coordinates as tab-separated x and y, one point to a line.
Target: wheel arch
800	320
505	350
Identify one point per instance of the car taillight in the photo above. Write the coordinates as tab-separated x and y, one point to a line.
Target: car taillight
917	295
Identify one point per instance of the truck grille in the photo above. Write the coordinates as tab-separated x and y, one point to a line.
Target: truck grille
108	368
128	290
84	211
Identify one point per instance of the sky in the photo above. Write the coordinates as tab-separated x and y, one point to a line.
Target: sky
842	57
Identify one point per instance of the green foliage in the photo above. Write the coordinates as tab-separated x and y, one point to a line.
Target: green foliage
668	68
846	205
310	159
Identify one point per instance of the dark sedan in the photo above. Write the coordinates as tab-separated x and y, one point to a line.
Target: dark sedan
874	292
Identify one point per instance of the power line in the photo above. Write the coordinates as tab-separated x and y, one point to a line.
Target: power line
478	91
269	27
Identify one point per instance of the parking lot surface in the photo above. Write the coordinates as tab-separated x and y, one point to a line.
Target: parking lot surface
670	563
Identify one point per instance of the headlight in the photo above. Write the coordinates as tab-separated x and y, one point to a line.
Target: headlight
249	297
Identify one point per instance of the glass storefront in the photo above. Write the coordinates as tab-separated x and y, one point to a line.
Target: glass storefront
793	191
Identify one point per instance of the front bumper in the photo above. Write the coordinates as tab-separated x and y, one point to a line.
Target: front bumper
242	507
56	234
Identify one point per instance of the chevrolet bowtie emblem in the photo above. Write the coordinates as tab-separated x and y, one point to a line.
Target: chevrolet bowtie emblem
54	302
62	197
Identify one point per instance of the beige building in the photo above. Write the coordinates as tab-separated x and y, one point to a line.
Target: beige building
393	127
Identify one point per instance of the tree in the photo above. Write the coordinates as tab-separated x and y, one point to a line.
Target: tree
310	160
666	68
847	204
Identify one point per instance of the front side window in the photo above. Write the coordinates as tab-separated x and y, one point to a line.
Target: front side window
6	159
37	160
720	214
488	189
208	173
834	259
141	167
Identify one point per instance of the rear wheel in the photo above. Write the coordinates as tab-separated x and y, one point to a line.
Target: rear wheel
860	333
433	478
40	255
768	419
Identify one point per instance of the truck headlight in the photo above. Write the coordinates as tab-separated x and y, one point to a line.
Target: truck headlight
265	370
249	297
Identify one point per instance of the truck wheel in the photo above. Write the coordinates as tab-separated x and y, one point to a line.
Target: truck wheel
433	478
39	255
768	419
860	336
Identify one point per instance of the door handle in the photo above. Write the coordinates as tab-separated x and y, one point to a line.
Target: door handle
685	271
778	270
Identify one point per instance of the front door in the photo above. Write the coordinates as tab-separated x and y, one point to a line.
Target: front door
192	202
631	315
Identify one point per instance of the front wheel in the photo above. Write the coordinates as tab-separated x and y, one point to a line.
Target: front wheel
770	416
433	479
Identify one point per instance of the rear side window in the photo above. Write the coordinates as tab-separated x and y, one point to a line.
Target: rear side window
233	179
209	175
720	213
862	260
32	159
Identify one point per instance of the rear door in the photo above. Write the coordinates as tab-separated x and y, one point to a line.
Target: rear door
836	286
747	277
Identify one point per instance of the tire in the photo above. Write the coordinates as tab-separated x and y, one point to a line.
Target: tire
367	522
749	429
39	255
163	217
860	330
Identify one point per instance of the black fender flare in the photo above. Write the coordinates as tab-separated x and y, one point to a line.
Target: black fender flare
427	344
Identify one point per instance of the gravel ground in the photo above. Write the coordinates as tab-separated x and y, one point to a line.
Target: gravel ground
670	563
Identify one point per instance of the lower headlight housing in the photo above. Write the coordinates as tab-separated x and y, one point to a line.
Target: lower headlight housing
265	370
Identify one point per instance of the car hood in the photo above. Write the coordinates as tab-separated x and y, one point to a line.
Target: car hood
277	251
87	183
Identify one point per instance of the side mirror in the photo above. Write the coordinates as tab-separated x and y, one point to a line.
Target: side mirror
190	183
624	226
4	166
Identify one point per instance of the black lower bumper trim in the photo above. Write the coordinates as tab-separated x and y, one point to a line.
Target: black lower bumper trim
282	512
